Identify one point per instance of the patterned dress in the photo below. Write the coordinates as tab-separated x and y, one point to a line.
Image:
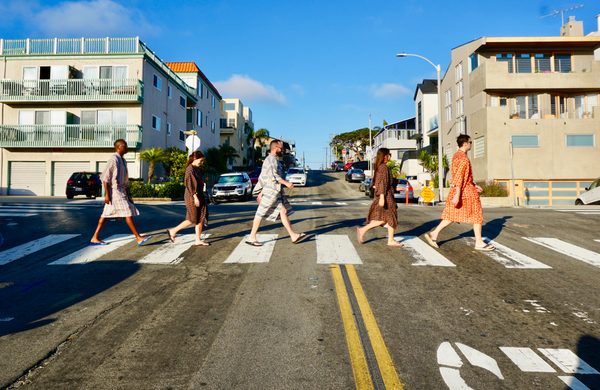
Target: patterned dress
468	209
195	185
272	198
117	177
383	185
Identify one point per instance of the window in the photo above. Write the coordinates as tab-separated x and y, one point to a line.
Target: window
562	63
200	89
448	96
189	118
526	107
479	147
182	101
157	82
181	136
542	62
213	102
206	116
508	58
474	60
199	119
231	122
580	140
525	141
461	127
584	104
419	119
155	123
523	63
459	71
223	123
558	106
168	128
498	101
212	126
228	106
207	93
169	91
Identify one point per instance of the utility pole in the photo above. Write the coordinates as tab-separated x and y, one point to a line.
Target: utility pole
370	146
326	149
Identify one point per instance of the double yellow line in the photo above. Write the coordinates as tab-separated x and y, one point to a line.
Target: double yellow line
363	375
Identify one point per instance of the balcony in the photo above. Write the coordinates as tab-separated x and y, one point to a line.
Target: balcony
494	76
72	90
69	136
228	130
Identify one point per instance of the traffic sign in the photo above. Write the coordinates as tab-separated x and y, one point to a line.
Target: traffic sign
343	151
192	143
427	194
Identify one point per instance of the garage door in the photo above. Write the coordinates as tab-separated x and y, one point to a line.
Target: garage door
100	167
62	171
27	178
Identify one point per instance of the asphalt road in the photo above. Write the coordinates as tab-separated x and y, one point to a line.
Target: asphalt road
322	314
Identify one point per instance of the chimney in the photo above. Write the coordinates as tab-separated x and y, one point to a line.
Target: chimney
572	28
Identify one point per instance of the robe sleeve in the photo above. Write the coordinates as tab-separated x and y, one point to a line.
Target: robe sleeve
383	180
460	173
109	171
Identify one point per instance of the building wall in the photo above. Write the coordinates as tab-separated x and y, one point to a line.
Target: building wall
237	138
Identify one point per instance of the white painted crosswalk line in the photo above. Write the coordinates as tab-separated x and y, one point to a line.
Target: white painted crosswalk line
336	249
317	203
573	383
527	360
40	206
568	361
92	253
17	214
341	203
567	249
509	257
588	212
29	209
21	251
245	253
423	253
170	253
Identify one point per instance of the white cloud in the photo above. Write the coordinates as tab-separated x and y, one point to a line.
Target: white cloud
94	18
389	90
244	88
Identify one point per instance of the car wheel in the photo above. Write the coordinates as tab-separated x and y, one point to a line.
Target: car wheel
69	196
578	202
249	196
89	196
371	194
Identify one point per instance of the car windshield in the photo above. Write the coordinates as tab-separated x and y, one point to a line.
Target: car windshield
231	179
82	176
357	171
295	170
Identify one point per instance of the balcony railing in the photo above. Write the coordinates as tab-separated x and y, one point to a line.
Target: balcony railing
71	90
68	136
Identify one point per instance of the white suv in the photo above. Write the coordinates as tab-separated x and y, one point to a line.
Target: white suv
591	196
233	185
297	176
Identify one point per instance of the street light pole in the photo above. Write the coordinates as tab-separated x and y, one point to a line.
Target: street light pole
370	146
440	111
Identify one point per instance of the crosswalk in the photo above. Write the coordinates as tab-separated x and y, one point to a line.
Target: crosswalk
330	249
31	209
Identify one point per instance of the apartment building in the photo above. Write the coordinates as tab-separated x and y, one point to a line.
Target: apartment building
538	93
235	118
63	103
426	110
204	116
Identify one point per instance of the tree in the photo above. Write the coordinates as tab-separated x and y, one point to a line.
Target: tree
215	161
228	152
260	134
430	164
152	156
175	163
356	140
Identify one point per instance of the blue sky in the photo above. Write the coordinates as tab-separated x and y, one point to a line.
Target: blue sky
307	69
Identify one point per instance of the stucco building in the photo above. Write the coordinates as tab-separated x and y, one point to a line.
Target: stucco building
235	121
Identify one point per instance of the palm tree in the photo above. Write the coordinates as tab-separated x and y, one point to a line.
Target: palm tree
429	162
228	152
153	156
260	135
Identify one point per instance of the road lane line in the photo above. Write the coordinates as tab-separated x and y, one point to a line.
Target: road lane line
526	359
362	376
384	360
30	247
91	253
423	253
336	249
509	257
568	361
170	253
245	253
567	249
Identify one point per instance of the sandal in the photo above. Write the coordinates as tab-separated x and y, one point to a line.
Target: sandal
431	241
170	236
301	237
202	243
254	243
487	248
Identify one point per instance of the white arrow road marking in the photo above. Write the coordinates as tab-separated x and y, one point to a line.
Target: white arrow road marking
30	247
452	378
567	361
567	249
170	253
527	360
480	359
336	249
573	383
509	257
92	253
423	253
245	253
447	356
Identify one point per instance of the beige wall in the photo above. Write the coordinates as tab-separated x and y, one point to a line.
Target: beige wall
237	138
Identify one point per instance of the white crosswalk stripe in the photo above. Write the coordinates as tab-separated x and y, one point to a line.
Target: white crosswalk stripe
567	249
28	248
171	253
92	253
568	361
573	383
335	249
245	253
527	360
423	253
509	257
17	214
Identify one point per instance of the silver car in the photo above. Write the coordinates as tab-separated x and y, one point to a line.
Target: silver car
232	185
365	184
401	188
297	176
355	175
591	196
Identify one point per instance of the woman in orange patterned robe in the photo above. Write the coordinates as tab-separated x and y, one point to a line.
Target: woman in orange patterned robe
464	205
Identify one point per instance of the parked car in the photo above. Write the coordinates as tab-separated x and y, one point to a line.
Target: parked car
355	175
401	188
297	175
369	190
337	165
347	165
364	184
360	165
232	185
84	183
254	175
591	194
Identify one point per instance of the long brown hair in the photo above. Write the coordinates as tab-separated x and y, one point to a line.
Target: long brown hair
194	156
381	153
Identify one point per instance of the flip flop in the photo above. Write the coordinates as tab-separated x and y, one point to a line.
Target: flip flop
301	237
397	246
203	244
254	243
144	240
487	248
99	243
171	237
431	241
358	236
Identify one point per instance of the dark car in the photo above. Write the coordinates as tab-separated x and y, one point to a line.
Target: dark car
364	165
347	166
84	183
254	176
355	175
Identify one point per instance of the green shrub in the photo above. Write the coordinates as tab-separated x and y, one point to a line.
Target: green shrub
493	190
139	189
171	190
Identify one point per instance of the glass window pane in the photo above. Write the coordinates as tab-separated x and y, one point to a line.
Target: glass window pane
562	63
120	72
106	72
119	117
579	105
535	184
525	141
523	62
90	72
494	101
592	101
503	100
542	62
506	58
521	106
580	140
104	117
29	73
564	184
532	102
88	117
42	117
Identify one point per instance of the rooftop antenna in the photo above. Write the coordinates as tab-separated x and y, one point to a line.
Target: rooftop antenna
562	13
